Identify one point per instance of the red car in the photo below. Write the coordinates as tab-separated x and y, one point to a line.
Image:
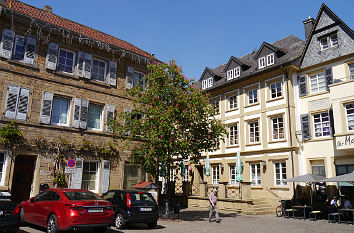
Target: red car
67	209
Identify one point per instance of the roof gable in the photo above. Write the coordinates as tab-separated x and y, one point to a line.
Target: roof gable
266	45
207	73
232	61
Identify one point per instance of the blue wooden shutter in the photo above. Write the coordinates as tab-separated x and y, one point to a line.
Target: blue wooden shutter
46	110
76	117
84	113
7	43
87	66
11	101
52	56
80	64
106	169
109	115
30	50
76	178
129	77
112	76
22	106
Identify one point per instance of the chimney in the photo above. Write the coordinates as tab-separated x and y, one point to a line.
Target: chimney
308	23
48	9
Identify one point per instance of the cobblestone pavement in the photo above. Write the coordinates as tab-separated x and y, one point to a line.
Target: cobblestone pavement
196	220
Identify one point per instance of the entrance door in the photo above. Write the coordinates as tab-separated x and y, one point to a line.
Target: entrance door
22	178
200	174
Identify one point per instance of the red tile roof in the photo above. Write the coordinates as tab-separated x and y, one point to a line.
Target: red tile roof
73	26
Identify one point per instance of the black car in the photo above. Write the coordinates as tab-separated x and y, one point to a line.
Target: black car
9	214
133	207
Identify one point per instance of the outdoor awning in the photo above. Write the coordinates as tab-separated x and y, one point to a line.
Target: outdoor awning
146	185
306	178
342	178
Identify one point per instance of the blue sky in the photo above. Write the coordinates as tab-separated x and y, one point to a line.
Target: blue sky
197	33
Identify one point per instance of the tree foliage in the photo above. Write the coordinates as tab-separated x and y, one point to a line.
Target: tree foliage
177	120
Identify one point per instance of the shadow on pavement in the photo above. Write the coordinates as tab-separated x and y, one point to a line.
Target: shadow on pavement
201	215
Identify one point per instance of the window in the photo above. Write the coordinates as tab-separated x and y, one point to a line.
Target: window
254	132
280	173
216	105
334	40
215	172
230	74
237	72
345	169
256	174
349	108
19	49
233	101
2	168
270	59
233	175
207	83
233	139
324	43
24	49
275	90
319	170
94	120
321	124
351	70
66	61
318	83
261	62
60	111
98	72
210	82
138	79
277	128
89	173
252	96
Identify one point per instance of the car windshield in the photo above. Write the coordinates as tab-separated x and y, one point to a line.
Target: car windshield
80	195
141	198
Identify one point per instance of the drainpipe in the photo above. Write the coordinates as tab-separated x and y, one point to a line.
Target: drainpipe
290	130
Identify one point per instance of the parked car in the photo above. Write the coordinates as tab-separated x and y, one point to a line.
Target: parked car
9	214
67	209
132	207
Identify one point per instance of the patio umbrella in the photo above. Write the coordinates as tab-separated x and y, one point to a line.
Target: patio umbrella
342	178
238	167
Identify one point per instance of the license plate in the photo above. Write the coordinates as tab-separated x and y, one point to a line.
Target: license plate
96	210
145	209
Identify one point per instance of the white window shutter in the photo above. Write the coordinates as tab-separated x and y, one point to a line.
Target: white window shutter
76	178
7	43
106	170
77	109
84	113
22	106
30	50
52	56
87	66
112	78
129	77
80	64
46	110
109	115
11	101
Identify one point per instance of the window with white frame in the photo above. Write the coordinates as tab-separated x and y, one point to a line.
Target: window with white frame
256	174
270	59
2	167
261	62
233	175
233	139
230	74
210	82
215	173
207	83
324	43
349	108
275	90
237	72
334	40
277	128
60	112
89	175
280	172
98	72
66	61
318	82
94	120
254	131
232	101
252	96
321	124
216	106
351	70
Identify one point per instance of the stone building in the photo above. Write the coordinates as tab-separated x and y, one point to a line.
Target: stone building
61	80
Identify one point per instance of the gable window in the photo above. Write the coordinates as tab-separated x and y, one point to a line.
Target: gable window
252	96
230	74
349	108
210	82
318	83
275	90
261	62
256	174
351	70
17	100
253	132
94	120
60	114
233	139
89	174
237	72
233	101
216	175
270	59
277	128
66	61
2	168
207	83
233	175
324	43
334	40
280	173
321	124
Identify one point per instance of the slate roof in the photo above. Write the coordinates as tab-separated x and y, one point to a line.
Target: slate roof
73	26
291	46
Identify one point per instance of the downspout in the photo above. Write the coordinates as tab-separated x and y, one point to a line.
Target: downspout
290	129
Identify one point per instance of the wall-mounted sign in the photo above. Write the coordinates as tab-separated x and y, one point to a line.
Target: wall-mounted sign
345	142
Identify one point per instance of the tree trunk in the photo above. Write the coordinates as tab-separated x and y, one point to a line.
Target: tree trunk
168	193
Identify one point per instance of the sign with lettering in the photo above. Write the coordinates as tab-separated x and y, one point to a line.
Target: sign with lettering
345	142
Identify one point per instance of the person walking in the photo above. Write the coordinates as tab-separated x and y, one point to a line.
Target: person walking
213	199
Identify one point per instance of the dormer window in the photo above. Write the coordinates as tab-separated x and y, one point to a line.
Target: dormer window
230	74
233	73
207	83
270	59
324	43
237	72
327	41
334	40
261	62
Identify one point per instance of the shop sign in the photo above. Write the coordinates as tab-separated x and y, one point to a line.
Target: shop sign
345	142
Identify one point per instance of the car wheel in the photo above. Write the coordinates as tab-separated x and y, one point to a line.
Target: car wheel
152	224
119	221
52	224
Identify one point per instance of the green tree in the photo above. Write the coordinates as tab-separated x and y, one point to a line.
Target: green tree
171	120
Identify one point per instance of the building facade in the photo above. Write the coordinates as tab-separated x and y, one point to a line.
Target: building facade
62	81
